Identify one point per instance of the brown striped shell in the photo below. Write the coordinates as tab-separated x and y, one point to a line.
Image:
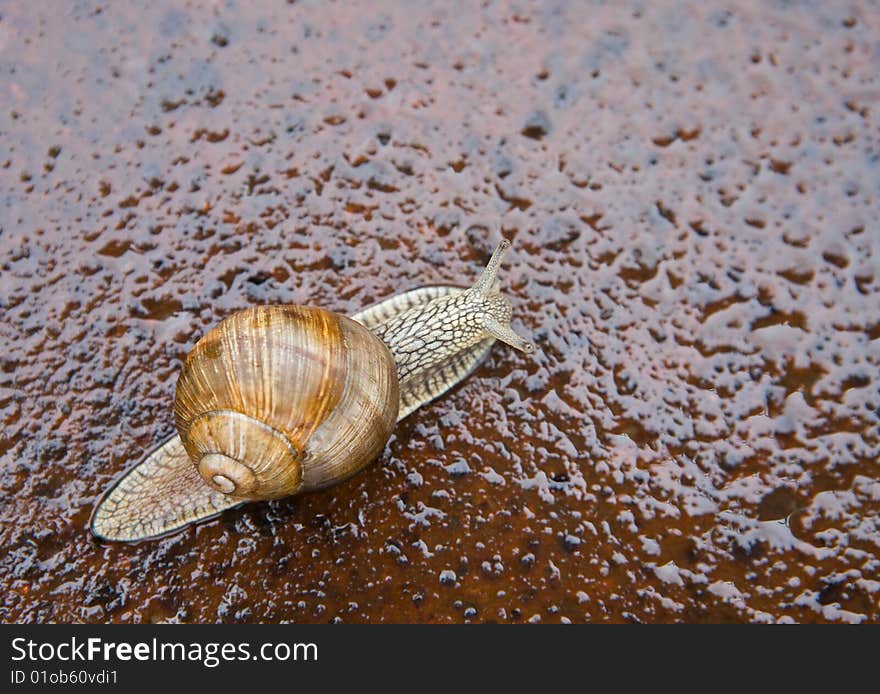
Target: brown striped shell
281	399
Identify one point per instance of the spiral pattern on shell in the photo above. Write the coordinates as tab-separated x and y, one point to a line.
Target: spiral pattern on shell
281	399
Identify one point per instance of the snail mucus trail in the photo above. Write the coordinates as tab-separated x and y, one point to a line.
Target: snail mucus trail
278	400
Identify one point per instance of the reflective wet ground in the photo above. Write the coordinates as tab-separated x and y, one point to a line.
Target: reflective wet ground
693	198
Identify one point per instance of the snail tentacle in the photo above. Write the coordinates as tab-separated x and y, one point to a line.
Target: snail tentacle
487	279
506	334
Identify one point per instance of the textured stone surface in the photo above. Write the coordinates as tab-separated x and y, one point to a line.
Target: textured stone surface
692	194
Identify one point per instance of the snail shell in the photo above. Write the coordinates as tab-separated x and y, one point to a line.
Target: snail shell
281	399
277	400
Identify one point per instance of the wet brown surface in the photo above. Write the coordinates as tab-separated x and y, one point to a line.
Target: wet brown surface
693	199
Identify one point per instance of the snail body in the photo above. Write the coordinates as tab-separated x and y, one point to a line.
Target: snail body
278	400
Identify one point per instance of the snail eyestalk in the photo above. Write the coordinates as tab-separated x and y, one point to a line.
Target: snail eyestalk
506	334
484	285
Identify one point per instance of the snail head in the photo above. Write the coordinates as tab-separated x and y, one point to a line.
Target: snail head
494	310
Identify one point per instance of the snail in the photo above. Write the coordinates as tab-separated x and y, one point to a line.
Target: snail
281	399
